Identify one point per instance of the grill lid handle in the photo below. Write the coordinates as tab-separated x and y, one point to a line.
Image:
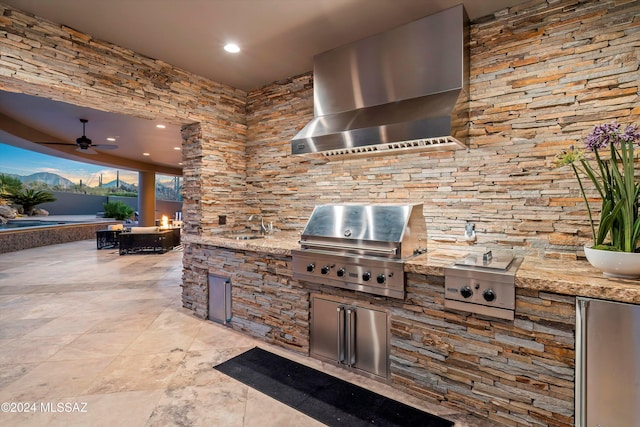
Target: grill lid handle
312	244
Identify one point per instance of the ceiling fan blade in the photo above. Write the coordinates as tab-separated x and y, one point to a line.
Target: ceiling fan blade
104	146
55	143
86	150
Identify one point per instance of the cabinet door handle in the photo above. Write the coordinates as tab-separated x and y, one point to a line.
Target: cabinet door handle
351	336
340	335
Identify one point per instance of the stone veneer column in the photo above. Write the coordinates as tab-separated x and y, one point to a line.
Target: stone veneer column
146	198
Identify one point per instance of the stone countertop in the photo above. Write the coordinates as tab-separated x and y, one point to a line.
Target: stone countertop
281	243
575	278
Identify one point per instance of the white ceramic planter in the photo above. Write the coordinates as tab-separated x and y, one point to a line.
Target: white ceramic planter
624	265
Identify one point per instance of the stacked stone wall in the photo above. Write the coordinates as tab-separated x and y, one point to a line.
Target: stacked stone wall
542	74
515	373
267	303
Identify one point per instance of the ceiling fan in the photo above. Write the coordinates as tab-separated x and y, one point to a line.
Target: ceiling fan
84	144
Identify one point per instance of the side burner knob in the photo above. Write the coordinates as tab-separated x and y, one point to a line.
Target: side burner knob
466	292
489	295
366	276
310	267
325	269
340	272
381	278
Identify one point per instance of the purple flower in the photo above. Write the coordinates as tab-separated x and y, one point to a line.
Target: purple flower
607	134
602	136
631	135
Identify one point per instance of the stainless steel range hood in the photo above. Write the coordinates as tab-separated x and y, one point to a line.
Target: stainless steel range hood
400	89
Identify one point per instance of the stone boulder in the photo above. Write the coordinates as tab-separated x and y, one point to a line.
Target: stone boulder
8	212
40	212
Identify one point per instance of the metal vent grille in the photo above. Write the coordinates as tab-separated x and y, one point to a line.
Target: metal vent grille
394	147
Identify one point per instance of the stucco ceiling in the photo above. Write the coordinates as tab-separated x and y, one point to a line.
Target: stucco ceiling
278	39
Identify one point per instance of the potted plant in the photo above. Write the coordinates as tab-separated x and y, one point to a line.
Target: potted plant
615	249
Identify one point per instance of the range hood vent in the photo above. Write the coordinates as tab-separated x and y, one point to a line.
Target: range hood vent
404	89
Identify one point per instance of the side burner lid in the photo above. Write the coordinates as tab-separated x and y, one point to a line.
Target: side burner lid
486	260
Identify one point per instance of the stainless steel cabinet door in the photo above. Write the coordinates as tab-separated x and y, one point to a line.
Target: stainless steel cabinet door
371	341
608	355
351	335
327	330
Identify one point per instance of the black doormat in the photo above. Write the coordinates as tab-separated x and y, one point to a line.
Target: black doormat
328	399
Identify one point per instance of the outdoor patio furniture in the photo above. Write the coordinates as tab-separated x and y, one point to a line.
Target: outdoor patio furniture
148	240
107	238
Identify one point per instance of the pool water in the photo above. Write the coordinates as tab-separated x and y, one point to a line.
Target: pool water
26	223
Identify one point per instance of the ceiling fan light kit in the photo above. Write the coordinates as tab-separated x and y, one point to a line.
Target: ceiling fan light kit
84	144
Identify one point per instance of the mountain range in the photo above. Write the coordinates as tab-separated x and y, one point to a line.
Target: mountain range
55	180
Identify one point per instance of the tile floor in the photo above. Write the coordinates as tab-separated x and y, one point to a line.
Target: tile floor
91	338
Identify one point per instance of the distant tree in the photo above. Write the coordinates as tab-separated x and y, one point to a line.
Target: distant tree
29	198
9	184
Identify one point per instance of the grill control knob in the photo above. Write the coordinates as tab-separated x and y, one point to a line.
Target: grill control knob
489	295
310	267
340	272
381	278
366	276
325	269
466	292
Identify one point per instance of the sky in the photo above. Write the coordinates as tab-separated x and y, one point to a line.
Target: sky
18	161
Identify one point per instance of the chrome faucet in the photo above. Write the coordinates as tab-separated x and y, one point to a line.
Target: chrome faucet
264	229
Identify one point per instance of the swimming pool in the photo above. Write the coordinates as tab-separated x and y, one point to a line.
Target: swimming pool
11	224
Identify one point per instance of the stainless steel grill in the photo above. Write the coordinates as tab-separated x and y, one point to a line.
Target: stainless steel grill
360	247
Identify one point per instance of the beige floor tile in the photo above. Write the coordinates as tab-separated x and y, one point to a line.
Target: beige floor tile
123	323
91	346
154	341
63	326
54	380
14	328
216	337
202	406
80	325
11	373
137	372
197	367
35	349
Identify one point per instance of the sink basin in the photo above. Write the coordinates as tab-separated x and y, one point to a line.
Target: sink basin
248	237
243	236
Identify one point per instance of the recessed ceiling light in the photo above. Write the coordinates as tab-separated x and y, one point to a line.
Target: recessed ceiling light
180	163
111	139
160	126
176	148
232	48
146	154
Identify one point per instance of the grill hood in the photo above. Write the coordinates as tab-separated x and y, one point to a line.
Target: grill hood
400	89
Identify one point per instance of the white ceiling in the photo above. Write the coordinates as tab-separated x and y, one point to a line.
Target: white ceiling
278	39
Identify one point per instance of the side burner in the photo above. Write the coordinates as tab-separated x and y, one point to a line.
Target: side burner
482	284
